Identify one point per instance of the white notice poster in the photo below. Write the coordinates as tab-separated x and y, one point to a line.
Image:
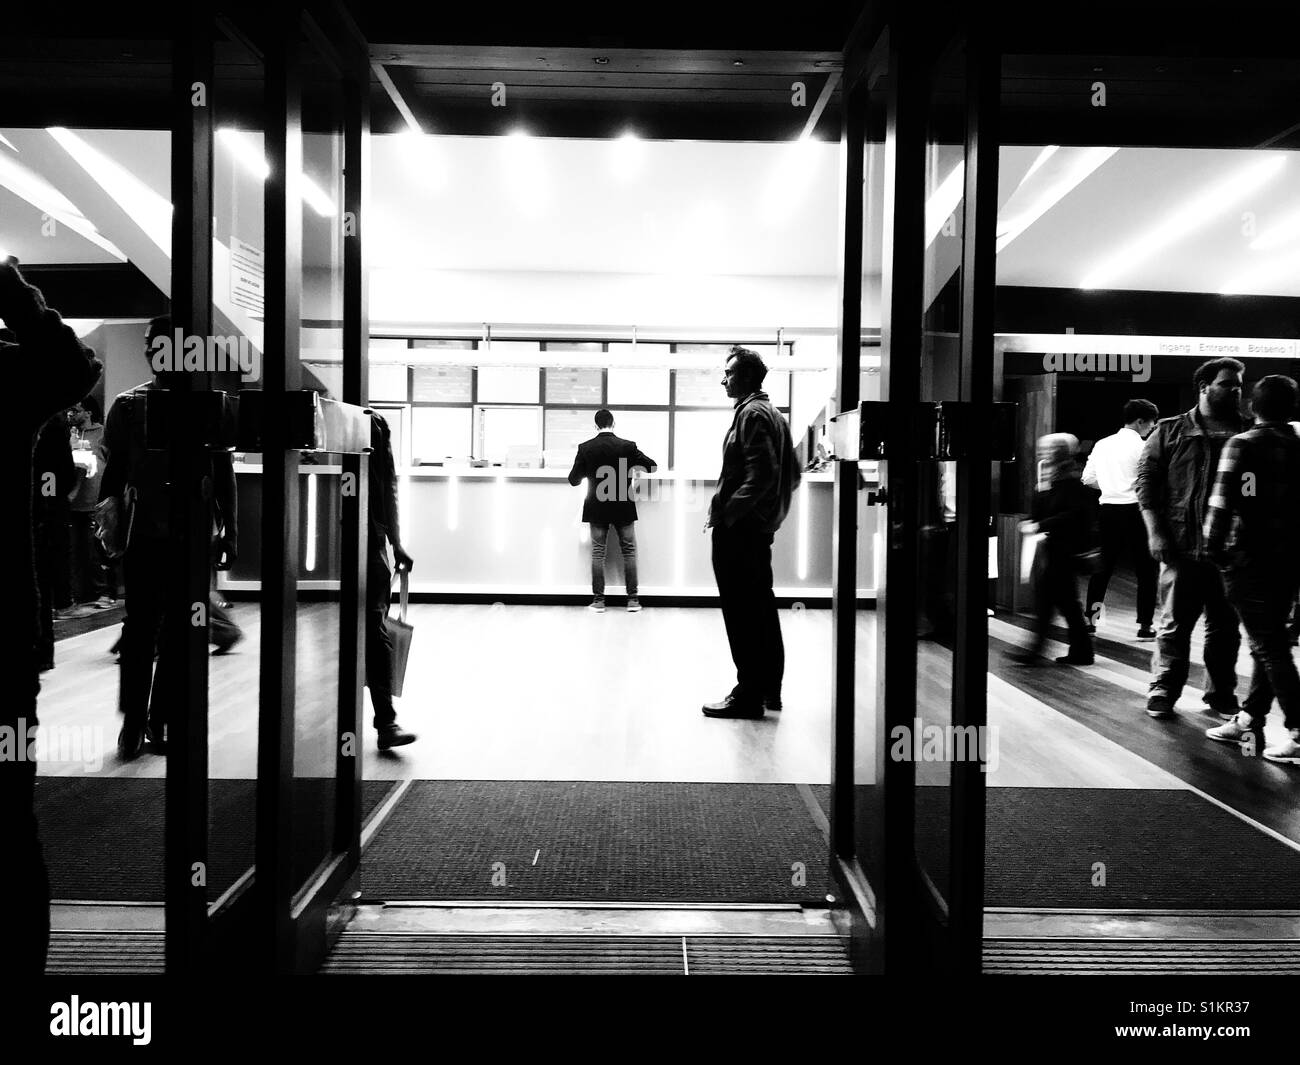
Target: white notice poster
247	277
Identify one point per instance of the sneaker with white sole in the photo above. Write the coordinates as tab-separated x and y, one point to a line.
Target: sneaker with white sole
633	605
1286	751
598	605
1236	730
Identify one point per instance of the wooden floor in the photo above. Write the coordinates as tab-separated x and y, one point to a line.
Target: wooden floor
560	693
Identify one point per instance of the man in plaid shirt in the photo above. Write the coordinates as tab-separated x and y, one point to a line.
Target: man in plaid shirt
1252	523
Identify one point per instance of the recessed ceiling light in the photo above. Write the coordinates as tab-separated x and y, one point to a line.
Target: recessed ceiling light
602	59
737	62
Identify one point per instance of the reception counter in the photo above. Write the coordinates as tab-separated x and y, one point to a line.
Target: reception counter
518	532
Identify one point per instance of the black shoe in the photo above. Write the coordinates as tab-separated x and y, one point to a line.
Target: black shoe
130	742
1160	706
394	736
156	737
224	646
1146	632
1074	659
1023	658
733	707
1091	630
772	704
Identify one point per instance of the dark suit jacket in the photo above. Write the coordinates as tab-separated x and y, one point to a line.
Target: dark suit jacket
606	462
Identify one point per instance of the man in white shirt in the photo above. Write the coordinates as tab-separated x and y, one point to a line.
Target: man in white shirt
1112	469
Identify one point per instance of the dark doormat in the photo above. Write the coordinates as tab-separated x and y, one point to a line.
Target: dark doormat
1112	848
597	841
103	837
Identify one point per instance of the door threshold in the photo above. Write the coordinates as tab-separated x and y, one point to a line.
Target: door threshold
1154	924
581	918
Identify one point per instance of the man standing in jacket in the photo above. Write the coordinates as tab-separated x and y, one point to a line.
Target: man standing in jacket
607	461
141	479
50	370
1175	474
1251	528
759	475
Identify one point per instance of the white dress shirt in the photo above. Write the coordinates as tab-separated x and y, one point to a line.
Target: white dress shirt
1112	467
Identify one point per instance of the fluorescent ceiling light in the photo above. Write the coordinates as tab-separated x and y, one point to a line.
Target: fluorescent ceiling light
1276	235
251	158
49	200
1193	214
1267	279
317	199
791	178
1043	156
1075	171
628	156
150	211
943	201
248	154
7	143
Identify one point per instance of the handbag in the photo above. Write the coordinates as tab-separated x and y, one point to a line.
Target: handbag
113	519
400	630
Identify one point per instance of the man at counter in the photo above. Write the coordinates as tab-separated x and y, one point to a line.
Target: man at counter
759	475
607	462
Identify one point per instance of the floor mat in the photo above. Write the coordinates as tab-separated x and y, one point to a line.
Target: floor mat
103	837
598	841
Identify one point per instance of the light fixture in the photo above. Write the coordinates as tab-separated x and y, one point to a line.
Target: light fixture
252	159
628	156
943	201
49	200
1078	166
601	60
1276	235
149	210
309	559
7	143
1191	215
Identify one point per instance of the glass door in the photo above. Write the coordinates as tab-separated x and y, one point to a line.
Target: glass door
913	497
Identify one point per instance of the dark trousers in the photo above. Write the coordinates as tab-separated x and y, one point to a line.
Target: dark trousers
1189	588
1263	595
145	571
742	565
627	544
89	575
24	885
1124	533
379	642
51	548
939	578
1056	590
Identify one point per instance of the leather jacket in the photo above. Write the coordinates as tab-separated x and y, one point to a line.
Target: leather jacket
1175	475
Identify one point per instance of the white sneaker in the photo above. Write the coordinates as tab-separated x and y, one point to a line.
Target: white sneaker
598	605
1233	731
633	605
1286	751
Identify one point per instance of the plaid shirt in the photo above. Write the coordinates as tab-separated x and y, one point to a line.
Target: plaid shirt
1254	509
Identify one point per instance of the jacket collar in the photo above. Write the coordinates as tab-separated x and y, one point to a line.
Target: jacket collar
746	400
1194	426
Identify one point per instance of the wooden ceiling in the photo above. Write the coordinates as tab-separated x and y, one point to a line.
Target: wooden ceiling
667	72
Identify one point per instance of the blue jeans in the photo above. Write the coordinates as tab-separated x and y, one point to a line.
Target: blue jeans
627	542
1188	589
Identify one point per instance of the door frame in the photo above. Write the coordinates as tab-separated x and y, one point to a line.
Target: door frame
893	925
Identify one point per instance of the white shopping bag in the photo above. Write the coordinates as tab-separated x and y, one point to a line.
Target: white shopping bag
1028	550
